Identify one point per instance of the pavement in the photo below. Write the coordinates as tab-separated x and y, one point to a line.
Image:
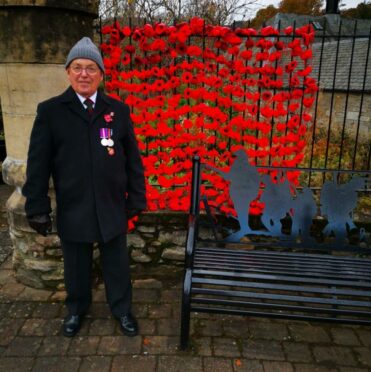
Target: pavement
31	339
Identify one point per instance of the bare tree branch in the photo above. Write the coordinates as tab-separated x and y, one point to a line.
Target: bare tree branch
168	11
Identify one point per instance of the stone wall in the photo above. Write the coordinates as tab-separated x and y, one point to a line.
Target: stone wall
352	112
42	31
159	238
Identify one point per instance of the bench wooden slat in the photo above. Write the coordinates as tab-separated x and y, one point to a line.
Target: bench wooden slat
279	245
283	278
302	271
276	315
281	287
262	305
324	259
281	297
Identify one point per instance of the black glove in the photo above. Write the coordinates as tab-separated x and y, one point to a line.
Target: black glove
133	212
41	223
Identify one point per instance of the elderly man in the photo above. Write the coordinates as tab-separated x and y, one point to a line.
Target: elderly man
85	141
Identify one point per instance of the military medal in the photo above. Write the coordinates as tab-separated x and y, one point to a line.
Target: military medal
106	140
105	135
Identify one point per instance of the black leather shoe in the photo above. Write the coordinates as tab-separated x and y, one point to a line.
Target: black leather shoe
129	325
71	325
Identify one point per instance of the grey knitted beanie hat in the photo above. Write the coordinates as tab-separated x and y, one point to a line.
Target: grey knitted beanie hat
85	48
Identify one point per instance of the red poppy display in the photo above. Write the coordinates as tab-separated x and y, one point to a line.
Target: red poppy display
210	90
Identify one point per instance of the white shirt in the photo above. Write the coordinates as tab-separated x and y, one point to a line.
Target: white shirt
82	99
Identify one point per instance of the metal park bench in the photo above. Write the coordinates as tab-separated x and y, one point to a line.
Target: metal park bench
288	276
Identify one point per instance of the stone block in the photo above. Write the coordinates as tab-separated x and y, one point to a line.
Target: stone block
179	364
141	295
115	345
297	352
261	349
159	311
168	327
17	364
268	330
364	356
352	115
227	347
204	233
14	171
39	45
175	237
334	355
57	364
60	295
96	363
8	329
21	310
23	346
133	363
202	345
54	252
171	295
278	366
247	365
50	241
11	291
138	256
41	265
308	333
134	240
102	327
314	368
161	345
236	327
33	327
208	327
174	253
365	337
84	345
17	129
147	283
147	327
33	294
218	364
344	336
146	229
47	310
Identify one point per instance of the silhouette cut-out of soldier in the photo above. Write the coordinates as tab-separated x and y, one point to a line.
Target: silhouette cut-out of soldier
337	204
278	201
244	187
304	210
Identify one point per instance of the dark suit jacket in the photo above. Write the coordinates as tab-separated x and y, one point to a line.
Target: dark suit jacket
93	189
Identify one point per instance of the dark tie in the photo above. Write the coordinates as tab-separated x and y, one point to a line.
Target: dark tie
89	103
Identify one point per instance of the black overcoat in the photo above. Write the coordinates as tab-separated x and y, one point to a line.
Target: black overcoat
93	189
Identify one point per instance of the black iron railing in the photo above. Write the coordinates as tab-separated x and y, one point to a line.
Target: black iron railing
339	136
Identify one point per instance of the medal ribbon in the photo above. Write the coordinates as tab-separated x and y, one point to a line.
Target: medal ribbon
105	133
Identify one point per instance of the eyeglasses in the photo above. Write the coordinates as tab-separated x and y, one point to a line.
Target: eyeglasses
90	70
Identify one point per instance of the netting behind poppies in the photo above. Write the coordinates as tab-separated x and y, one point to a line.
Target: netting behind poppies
211	90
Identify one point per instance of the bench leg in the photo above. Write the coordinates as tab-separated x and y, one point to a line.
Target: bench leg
186	309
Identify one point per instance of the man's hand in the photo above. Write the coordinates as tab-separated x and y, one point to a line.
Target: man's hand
41	223
133	212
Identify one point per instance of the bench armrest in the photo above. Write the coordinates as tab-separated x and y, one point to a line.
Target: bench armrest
191	239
